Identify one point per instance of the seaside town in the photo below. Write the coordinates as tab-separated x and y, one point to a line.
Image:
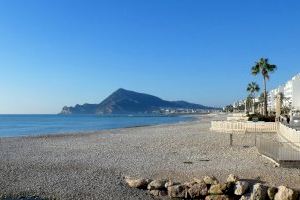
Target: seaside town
286	96
289	93
175	111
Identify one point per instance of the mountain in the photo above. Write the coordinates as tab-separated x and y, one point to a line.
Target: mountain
127	102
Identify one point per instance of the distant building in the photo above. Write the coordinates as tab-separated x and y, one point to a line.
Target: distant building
272	97
256	99
238	103
291	93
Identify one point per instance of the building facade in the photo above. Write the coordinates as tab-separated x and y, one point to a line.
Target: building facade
291	94
272	98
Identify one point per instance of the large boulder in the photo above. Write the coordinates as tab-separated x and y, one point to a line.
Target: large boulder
259	192
210	180
156	185
140	183
232	178
241	187
198	190
217	197
285	193
178	191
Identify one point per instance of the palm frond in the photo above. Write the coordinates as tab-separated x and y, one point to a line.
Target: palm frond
255	69
271	68
252	88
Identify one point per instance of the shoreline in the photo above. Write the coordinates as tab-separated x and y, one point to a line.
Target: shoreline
81	133
103	131
92	166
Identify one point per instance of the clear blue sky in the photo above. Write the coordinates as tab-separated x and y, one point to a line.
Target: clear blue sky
63	52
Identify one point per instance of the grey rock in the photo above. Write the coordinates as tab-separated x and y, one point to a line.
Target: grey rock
216	189
158	192
178	191
140	183
170	183
232	178
210	180
241	187
198	190
285	193
259	192
156	185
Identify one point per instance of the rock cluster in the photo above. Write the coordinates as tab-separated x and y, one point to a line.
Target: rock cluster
209	188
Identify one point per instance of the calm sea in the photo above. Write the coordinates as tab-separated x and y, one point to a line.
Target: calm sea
26	125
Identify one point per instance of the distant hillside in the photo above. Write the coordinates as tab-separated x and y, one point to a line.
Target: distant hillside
126	102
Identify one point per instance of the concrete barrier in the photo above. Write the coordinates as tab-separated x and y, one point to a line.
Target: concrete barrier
289	134
244	127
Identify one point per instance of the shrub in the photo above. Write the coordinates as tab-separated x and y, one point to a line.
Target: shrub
260	117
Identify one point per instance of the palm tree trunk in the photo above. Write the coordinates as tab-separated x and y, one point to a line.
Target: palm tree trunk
266	98
253	105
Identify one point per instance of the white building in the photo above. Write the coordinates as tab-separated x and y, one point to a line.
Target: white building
291	93
272	97
238	103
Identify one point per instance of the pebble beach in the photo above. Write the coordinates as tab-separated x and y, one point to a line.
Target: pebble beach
92	165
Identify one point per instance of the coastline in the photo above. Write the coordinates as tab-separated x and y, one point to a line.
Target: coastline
92	165
104	131
180	119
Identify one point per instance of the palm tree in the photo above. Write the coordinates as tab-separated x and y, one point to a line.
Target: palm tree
252	88
285	103
282	98
249	101
261	100
264	67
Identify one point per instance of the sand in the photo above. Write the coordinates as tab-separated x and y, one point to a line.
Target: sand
92	165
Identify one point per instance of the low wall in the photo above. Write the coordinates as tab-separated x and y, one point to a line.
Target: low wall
237	117
232	118
243	127
289	134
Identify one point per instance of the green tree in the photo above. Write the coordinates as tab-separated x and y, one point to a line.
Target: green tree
264	68
252	88
229	108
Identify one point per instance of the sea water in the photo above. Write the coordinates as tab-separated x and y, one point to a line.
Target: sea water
29	125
